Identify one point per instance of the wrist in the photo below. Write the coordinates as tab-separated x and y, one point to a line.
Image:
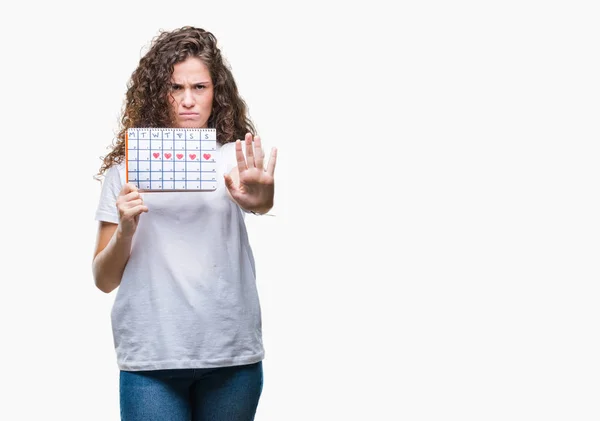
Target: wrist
122	235
259	211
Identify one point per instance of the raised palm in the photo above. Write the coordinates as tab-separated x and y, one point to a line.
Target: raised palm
255	187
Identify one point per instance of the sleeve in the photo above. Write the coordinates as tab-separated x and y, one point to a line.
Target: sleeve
111	186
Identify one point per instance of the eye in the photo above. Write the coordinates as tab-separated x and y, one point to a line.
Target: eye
175	87
200	86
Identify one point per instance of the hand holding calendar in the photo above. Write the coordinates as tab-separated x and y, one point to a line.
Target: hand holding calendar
255	186
130	206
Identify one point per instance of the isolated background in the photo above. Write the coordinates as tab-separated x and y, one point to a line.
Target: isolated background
435	250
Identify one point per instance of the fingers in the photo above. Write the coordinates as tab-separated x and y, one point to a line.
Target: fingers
259	155
272	162
239	156
125	206
255	155
133	203
131	196
135	211
249	151
128	188
130	202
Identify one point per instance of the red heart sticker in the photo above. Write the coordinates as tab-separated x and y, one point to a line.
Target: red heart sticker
179	155
156	154
167	155
192	156
206	156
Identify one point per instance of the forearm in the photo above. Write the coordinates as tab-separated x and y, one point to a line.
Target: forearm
109	264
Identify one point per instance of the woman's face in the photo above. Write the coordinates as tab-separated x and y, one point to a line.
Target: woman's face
191	93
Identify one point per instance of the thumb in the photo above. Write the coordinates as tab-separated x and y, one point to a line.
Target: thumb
128	188
228	182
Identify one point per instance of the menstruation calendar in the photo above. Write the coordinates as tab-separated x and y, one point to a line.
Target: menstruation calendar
165	159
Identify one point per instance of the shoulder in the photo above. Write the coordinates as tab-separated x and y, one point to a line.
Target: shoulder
115	175
226	146
112	183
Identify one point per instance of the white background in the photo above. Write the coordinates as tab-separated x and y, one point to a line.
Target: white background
435	250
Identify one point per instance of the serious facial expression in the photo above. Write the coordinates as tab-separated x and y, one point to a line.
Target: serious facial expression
191	94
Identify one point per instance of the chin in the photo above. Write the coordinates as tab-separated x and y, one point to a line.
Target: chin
191	125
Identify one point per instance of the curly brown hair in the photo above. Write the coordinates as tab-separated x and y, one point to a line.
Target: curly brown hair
146	103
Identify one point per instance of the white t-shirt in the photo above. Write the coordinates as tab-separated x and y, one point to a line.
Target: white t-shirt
188	296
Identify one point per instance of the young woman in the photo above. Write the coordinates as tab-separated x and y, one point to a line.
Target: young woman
186	318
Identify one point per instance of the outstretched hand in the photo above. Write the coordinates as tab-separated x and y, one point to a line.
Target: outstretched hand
255	185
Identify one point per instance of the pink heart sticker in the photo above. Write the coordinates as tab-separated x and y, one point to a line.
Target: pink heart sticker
206	156
179	155
192	156
156	154
167	155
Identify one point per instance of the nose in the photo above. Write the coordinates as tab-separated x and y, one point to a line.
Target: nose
188	98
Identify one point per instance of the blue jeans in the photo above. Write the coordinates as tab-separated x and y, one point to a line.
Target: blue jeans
208	394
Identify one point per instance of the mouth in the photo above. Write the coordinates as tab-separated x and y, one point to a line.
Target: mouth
188	114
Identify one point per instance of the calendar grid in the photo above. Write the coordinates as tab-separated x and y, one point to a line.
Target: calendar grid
168	159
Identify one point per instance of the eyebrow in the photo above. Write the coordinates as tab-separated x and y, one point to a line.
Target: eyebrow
193	83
